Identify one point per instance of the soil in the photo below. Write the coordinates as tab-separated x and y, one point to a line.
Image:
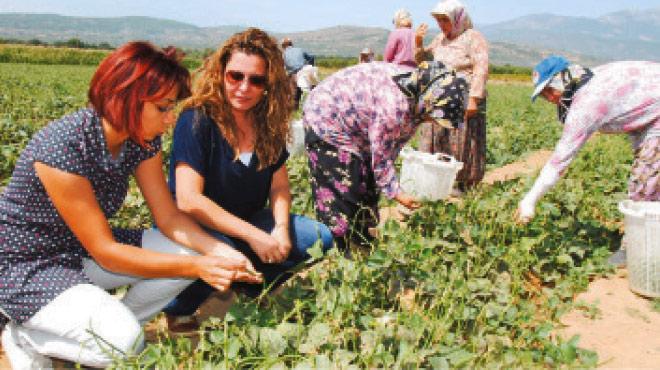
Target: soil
619	325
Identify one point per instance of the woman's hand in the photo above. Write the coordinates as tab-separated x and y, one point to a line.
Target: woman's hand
266	247
420	33
220	272
525	212
472	108
281	233
231	256
407	201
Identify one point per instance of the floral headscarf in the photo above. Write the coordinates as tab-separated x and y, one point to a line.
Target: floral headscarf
435	92
457	14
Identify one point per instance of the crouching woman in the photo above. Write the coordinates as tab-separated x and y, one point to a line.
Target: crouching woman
58	254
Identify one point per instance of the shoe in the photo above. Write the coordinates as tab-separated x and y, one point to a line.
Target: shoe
185	324
618	259
21	357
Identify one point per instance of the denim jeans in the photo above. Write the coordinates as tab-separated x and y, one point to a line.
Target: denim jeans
304	232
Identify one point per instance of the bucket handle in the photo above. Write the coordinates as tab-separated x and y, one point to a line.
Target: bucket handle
443	156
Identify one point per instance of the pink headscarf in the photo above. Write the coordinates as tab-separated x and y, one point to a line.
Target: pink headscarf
457	14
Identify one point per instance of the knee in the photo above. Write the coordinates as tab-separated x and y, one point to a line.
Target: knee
119	336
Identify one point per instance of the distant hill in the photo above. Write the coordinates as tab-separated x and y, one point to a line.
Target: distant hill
616	36
523	41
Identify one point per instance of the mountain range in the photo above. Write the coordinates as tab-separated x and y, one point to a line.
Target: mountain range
522	41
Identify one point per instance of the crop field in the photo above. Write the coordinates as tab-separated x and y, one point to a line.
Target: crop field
457	285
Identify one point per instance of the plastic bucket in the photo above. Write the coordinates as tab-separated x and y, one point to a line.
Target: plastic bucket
428	176
297	145
642	243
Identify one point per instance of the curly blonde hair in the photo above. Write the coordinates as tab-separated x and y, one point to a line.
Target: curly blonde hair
271	114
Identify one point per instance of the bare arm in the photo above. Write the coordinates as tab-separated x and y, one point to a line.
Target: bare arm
191	200
73	197
175	224
280	202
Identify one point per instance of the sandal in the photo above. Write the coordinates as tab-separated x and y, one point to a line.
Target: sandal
185	324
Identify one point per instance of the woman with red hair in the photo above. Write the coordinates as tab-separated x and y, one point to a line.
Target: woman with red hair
58	253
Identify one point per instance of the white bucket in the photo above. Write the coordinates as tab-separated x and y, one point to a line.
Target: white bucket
428	176
642	243
297	145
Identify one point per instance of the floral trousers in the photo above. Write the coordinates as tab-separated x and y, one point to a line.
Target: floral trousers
344	191
644	183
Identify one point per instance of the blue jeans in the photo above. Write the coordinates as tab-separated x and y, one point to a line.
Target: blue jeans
303	231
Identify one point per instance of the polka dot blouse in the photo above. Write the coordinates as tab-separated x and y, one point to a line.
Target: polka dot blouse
39	255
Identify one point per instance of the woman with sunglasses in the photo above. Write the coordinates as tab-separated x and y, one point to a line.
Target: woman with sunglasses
58	253
228	161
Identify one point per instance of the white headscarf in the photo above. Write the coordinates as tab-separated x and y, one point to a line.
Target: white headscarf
457	14
402	16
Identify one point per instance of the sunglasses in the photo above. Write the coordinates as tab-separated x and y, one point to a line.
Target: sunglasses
235	77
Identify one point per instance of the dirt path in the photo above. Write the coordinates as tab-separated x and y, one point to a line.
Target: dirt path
622	328
532	163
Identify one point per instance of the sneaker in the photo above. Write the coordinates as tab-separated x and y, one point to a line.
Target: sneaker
21	357
618	259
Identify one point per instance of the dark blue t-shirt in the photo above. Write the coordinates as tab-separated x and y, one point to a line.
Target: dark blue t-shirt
239	189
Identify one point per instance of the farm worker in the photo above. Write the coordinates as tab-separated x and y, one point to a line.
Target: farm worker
59	254
356	122
295	59
228	160
461	47
400	47
366	56
620	97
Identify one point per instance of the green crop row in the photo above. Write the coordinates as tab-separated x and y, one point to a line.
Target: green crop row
459	285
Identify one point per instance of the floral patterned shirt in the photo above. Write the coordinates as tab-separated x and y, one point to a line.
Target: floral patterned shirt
622	97
361	110
467	54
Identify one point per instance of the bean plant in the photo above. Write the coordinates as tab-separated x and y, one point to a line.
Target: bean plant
457	285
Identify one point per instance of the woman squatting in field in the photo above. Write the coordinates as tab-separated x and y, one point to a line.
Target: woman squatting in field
58	252
228	161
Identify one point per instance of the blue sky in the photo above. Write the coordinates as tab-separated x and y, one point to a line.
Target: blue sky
295	15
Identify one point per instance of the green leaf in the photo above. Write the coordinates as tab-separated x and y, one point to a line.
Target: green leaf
316	251
271	343
439	363
564	259
460	358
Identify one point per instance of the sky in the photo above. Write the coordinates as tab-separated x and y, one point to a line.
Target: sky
298	15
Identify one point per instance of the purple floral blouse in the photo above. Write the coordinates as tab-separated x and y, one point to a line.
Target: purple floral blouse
361	110
622	97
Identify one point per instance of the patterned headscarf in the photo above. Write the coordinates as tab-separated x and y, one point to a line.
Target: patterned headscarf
435	92
568	82
457	14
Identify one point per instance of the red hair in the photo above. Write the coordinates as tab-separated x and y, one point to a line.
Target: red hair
134	73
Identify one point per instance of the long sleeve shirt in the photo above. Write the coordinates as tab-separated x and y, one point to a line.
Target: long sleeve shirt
295	59
621	97
467	54
400	47
361	110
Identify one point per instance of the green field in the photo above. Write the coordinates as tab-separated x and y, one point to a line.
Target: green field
460	285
